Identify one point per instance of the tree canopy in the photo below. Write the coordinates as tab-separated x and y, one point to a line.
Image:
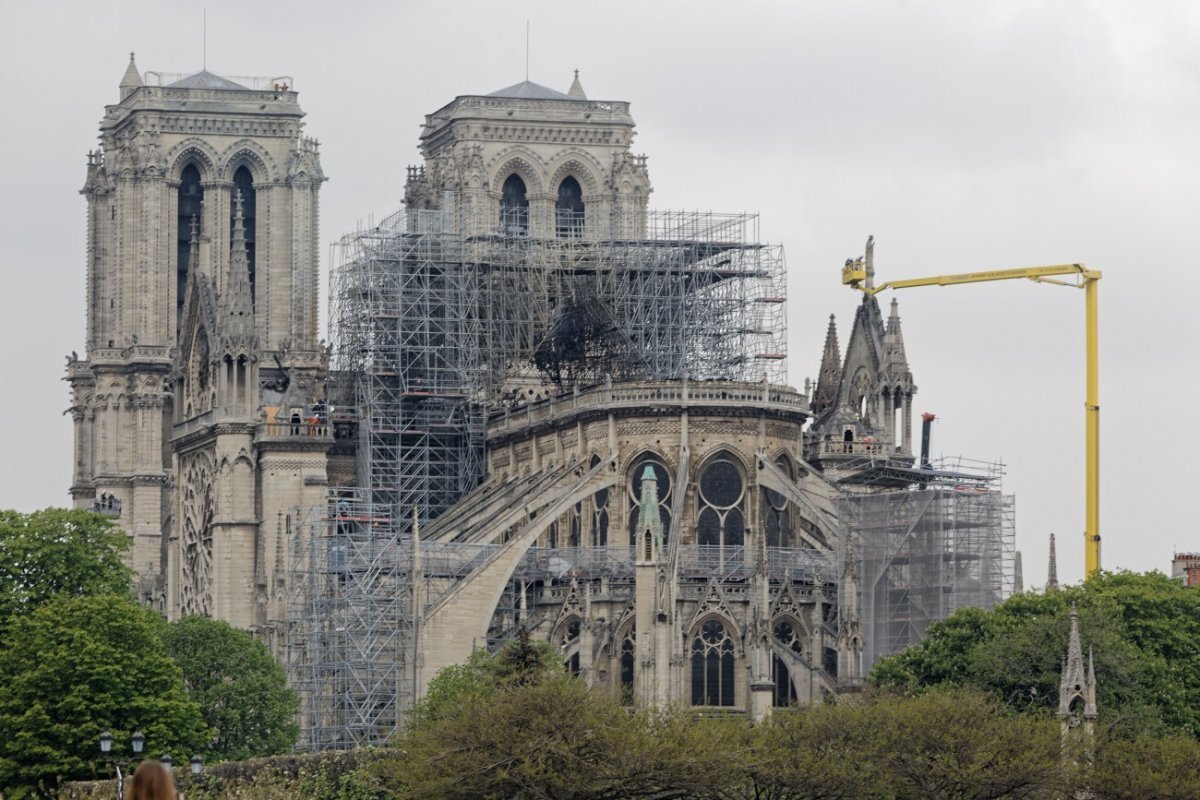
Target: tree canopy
58	551
1144	631
522	661
75	667
242	691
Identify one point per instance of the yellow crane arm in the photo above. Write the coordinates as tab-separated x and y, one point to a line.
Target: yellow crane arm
855	275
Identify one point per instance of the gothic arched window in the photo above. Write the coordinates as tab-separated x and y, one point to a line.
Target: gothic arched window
721	521
777	519
627	655
712	666
243	182
514	206
600	518
787	633
568	210
576	515
635	494
190	203
569	645
599	508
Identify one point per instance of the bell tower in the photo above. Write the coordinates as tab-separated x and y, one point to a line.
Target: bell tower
201	284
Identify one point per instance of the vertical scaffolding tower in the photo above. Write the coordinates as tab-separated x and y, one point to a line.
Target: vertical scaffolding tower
350	632
435	320
406	331
926	552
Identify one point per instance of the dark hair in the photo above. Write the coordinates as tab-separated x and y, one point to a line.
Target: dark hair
152	781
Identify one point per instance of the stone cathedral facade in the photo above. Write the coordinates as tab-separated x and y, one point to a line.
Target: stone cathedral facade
198	403
696	516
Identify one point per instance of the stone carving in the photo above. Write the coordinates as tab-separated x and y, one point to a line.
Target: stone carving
195	590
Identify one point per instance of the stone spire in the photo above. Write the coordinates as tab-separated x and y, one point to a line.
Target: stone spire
1077	689
649	524
131	80
1052	573
237	288
1018	574
236	305
893	340
193	264
849	634
576	91
825	396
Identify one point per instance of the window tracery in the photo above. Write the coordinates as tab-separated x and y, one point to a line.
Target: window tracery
777	517
568	644
628	648
196	563
721	521
712	665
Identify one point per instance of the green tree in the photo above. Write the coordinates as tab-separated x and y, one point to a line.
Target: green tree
1144	631
77	666
961	745
1143	768
554	738
57	551
522	661
952	745
242	691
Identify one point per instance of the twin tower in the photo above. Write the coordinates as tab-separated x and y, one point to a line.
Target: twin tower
200	415
198	408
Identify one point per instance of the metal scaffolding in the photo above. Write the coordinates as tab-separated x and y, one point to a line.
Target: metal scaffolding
431	327
435	320
926	552
350	624
406	355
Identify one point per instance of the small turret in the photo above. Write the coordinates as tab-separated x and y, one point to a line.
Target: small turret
649	524
893	341
576	91
131	81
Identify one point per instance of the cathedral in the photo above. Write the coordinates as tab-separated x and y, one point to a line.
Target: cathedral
544	406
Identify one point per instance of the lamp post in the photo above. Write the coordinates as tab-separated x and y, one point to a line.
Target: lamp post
197	764
136	743
166	761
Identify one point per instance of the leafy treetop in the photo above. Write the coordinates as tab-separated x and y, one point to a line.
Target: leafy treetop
58	551
1144	631
242	691
77	666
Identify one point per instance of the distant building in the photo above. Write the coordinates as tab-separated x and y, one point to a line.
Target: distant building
1186	567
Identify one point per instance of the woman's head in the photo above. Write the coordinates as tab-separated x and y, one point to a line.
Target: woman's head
152	781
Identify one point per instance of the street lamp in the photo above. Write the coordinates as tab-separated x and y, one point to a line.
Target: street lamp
197	764
137	742
166	761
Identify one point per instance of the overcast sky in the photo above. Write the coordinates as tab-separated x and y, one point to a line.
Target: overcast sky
963	135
